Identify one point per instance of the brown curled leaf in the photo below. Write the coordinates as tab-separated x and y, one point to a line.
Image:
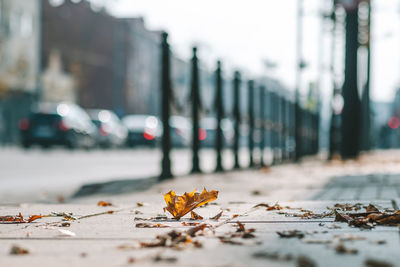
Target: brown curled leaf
372	208
34	217
216	217
178	206
151	225
104	204
195	216
12	219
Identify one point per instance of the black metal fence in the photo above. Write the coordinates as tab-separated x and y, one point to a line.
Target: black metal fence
276	123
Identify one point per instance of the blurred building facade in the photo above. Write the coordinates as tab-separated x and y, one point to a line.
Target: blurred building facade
19	62
82	40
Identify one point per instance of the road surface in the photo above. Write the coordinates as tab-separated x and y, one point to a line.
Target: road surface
46	175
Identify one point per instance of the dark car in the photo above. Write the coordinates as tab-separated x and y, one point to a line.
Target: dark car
111	131
58	124
142	130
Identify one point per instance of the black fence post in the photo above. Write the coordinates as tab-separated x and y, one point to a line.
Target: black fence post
195	95
274	126
220	113
278	119
291	130
284	129
251	121
165	107
262	125
298	128
236	111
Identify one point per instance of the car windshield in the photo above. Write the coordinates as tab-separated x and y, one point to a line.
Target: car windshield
135	122
41	118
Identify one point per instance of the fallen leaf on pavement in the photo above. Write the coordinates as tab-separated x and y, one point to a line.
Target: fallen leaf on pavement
151	225
304	261
139	204
216	217
230	241
377	263
160	258
291	234
35	217
273	256
20	219
17	250
104	204
195	216
342	249
190	223
243	232
269	207
173	239
12	219
371	208
178	206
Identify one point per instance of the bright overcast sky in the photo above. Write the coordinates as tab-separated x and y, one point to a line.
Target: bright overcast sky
243	33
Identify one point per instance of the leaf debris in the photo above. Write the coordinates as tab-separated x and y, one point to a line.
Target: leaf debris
17	250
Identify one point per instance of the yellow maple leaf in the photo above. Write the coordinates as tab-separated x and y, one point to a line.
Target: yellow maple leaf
178	206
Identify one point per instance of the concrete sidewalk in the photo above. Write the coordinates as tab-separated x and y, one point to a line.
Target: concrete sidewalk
108	236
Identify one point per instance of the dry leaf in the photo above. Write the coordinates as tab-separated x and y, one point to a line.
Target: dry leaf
34	217
272	256
372	208
12	219
151	225
235	215
190	223
178	206
195	216
269	207
377	263
139	204
104	203
304	261
174	239
291	234
341	249
17	250
216	217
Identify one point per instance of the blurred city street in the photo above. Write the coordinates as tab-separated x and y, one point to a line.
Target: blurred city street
278	122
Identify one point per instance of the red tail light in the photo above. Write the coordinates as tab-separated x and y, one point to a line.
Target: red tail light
103	131
202	134
62	126
148	136
24	124
394	123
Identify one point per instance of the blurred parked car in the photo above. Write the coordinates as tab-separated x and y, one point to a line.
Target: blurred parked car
208	132
111	131
58	124
142	129
180	131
